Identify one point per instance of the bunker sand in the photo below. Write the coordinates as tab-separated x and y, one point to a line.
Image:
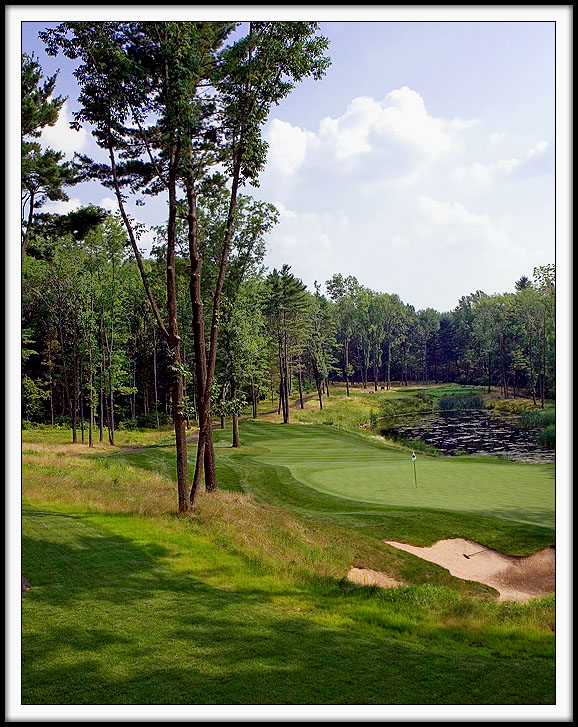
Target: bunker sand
517	578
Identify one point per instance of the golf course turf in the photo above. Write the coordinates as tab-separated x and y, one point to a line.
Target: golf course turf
246	600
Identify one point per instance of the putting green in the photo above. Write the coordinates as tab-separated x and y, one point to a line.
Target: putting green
351	468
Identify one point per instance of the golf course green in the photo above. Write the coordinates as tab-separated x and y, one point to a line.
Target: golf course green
358	470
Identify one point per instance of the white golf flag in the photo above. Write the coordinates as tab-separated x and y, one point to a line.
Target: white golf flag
413	456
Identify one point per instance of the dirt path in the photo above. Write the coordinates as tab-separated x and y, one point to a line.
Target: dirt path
194	437
516	578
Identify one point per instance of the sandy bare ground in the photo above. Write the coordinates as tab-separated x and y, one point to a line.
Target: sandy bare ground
516	578
368	577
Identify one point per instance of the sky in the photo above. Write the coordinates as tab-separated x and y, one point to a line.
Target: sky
422	163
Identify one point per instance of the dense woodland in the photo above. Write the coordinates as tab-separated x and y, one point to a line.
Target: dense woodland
199	329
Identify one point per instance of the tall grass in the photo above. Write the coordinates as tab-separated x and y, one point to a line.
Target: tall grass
460	402
538	419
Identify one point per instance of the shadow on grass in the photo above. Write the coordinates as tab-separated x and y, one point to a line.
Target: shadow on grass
111	619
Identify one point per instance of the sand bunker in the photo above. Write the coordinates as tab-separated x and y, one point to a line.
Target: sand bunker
368	577
516	578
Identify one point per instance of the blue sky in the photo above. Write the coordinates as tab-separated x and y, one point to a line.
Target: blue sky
423	163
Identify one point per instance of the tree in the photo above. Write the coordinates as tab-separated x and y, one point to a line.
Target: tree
342	291
429	323
249	76
135	81
44	174
321	339
285	308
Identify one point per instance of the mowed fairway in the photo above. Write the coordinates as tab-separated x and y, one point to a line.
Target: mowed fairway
359	471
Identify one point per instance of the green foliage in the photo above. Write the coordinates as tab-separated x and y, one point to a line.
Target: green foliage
32	398
538	419
547	437
460	402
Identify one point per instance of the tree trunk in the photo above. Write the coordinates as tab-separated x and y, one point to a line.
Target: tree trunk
90	397
346	367
198	335
155	376
175	345
236	440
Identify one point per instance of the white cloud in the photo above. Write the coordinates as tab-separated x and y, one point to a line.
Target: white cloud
109	203
348	135
476	172
400	241
454	215
62	138
389	140
62	207
284	212
506	165
288	146
483	173
401	120
537	150
497	137
310	240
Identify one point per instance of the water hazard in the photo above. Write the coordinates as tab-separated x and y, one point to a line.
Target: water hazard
472	432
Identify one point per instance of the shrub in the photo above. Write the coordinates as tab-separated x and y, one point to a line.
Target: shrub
538	419
548	436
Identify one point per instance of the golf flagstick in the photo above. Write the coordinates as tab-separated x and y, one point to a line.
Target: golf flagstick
413	458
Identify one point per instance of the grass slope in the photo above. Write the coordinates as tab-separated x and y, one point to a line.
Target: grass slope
131	610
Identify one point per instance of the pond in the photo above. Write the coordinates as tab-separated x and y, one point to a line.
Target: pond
474	432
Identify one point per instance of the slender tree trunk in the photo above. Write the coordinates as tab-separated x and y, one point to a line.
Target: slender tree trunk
300	374
236	439
155	376
175	345
543	392
102	369
222	400
28	225
532	382
101	408
74	394
346	367
81	399
90	397
51	373
198	334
